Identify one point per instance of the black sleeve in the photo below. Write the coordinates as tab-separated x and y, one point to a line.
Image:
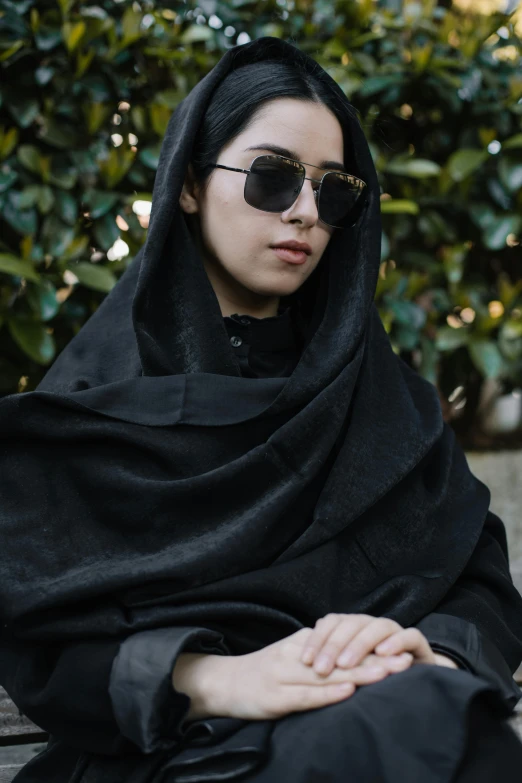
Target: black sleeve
66	690
479	621
149	711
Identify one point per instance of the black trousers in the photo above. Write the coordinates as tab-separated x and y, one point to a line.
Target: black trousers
493	751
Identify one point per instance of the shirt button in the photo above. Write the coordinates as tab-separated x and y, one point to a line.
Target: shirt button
245	320
236	341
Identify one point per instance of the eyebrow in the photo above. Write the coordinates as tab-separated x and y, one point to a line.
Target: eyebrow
324	164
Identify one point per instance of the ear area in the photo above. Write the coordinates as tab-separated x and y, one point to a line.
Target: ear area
188	196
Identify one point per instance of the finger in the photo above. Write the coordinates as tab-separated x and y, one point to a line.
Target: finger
331	634
359	675
365	641
407	640
393	663
305	697
323	628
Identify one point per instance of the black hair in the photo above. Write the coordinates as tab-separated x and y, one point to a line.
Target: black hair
242	94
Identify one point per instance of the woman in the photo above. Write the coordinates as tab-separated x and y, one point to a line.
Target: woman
228	472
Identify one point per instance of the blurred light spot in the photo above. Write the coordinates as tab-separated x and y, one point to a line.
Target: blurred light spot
117	139
453	321
215	22
243	38
133	139
496	309
69	277
494	147
118	250
22	383
406	111
511	240
468	315
229	31
121	223
147	20
453	38
345	59
142	207
503	32
63	293
116	119
123	106
455	393
200	19
505	53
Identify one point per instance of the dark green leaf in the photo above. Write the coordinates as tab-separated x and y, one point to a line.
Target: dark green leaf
42	300
56	235
29	156
106	231
24	110
66	207
24	221
464	162
99	202
150	156
496	234
449	339
33	339
486	357
94	276
11	265
510	173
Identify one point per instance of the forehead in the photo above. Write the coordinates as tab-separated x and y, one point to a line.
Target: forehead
309	131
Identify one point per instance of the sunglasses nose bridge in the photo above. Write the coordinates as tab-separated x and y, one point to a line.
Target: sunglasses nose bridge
299	189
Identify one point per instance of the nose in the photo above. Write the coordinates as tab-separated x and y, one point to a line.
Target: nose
305	207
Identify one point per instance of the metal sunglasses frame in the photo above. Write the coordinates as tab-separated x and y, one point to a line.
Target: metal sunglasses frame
300	165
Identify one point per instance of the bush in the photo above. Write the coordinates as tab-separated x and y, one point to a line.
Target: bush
88	89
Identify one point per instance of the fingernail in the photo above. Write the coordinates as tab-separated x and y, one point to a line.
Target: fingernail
308	655
384	647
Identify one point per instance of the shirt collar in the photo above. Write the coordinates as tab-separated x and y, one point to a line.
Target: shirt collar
272	333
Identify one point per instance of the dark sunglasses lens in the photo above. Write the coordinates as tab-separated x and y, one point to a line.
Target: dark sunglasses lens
338	197
273	184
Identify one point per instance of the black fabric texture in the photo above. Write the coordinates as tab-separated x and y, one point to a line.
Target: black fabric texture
148	484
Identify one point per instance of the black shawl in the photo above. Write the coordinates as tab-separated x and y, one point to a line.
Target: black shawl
146	484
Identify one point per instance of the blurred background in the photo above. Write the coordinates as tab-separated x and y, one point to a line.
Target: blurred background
86	93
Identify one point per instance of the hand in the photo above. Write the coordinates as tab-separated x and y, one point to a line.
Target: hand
273	682
443	660
343	640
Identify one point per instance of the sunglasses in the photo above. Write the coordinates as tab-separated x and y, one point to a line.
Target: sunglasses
273	183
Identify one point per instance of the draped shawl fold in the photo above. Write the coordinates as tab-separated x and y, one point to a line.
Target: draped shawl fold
146	484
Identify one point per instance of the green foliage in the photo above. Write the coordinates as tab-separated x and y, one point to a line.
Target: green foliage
86	93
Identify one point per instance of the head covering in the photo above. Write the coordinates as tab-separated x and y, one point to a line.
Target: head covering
137	493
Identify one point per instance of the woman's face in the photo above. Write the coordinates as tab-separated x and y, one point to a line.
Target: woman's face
237	239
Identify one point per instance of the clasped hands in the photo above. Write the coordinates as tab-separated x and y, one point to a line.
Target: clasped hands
377	643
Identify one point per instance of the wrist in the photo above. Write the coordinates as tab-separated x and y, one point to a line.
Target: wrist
203	679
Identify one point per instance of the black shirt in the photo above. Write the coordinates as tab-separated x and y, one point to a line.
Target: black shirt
265	347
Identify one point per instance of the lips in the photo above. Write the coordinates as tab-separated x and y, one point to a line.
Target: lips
293	244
